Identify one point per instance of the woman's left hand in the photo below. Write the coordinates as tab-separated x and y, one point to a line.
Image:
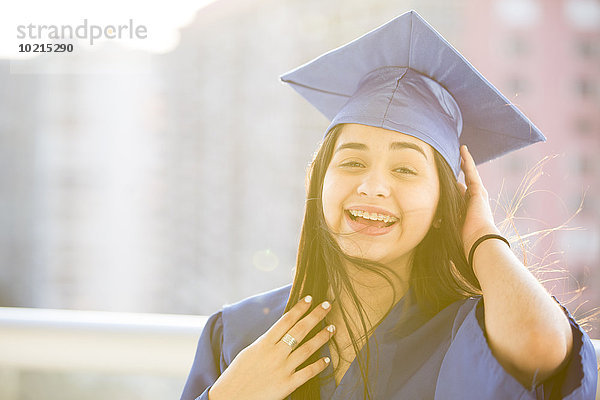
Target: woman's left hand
479	219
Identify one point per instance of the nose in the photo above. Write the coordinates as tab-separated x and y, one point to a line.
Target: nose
374	184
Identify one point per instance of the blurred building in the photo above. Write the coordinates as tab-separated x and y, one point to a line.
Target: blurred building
545	57
79	185
19	112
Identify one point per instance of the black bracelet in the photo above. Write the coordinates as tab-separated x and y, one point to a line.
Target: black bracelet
481	239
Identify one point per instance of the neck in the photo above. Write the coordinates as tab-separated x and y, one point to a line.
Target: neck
374	292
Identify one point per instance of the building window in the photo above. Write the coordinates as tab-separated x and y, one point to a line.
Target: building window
585	88
583	126
587	202
586	48
516	86
518	13
583	14
517	46
515	164
583	165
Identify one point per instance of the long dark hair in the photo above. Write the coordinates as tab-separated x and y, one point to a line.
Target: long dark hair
439	274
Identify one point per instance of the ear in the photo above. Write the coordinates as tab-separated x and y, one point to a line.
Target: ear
437	223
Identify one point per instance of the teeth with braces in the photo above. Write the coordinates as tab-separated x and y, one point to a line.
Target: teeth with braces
373	216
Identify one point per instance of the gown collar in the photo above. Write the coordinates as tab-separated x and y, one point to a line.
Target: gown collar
399	321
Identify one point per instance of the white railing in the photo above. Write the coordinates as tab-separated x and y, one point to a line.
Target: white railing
67	340
98	341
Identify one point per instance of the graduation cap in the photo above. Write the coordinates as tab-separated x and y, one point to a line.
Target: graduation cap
404	76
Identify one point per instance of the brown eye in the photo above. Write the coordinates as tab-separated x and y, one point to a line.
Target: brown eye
405	170
352	164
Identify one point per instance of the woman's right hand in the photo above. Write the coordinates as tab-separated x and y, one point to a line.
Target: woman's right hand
266	370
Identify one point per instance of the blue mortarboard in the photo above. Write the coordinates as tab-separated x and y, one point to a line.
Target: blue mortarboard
404	76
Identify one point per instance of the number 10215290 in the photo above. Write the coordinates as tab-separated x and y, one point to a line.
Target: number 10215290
45	48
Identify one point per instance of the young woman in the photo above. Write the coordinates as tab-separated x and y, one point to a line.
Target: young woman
404	287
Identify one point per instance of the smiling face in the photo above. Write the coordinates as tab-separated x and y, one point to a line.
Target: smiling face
380	193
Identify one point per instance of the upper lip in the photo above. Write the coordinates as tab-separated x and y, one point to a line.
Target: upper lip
372	209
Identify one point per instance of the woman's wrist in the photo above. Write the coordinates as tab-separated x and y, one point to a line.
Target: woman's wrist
492	253
489	236
473	237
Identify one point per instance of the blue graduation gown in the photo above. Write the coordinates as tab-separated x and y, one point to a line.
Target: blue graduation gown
445	357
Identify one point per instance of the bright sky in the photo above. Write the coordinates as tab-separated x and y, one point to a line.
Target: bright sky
161	18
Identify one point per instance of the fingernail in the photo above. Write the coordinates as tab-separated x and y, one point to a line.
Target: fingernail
325	305
331	328
308	298
327	360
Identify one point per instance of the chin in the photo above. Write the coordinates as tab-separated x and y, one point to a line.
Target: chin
374	252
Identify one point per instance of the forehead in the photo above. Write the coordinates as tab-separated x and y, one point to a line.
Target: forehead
376	138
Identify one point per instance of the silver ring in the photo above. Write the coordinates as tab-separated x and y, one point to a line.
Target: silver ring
289	340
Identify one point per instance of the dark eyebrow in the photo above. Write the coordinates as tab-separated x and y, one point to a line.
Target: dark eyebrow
353	146
407	145
393	146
